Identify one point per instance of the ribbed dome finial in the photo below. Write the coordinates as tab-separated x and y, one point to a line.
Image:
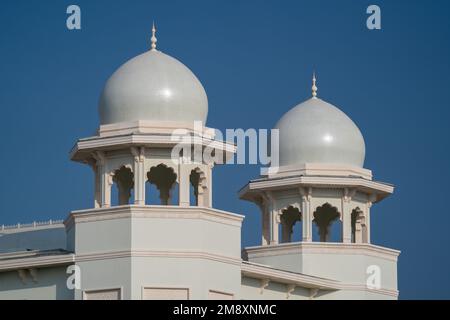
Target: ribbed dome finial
153	39
314	87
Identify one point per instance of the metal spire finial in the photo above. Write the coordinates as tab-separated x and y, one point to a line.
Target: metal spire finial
314	87
153	39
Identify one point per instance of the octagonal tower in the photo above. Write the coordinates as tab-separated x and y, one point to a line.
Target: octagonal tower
152	232
322	187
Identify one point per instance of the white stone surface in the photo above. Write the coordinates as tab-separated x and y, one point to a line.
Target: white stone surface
153	86
315	131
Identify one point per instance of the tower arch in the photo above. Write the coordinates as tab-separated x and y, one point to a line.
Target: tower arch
324	217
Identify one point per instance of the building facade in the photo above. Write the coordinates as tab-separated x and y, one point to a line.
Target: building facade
153	233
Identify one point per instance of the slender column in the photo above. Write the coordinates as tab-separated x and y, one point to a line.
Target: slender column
347	215
209	184
275	227
200	195
184	185
367	214
97	189
104	181
265	227
265	220
97	165
139	175
367	240
273	218
306	194
106	184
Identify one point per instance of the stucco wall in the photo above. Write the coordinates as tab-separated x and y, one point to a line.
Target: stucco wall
50	285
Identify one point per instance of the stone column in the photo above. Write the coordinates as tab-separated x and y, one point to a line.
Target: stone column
265	220
200	195
139	175
184	186
273	218
275	226
106	184
346	213
372	199
209	185
103	191
97	188
265	216
306	194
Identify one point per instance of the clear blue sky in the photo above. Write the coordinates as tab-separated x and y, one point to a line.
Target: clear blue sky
255	60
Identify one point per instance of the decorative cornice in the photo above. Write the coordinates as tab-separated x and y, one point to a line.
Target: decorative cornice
264	272
379	189
259	271
35	259
153	212
157	254
147	126
83	148
322	169
323	248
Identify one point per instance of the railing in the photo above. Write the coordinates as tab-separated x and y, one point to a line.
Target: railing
34	224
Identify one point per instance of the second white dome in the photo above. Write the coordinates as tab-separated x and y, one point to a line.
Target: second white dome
318	132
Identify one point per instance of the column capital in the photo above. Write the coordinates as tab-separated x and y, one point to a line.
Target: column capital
138	153
99	157
306	193
349	193
268	196
372	199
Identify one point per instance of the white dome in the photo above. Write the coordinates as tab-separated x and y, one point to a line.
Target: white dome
153	86
318	132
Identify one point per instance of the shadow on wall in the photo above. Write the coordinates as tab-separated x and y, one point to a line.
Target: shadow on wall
46	284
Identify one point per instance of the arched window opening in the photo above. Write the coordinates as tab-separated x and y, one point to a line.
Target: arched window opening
289	217
151	194
297	232
197	194
164	179
359	230
324	216
174	194
335	231
123	184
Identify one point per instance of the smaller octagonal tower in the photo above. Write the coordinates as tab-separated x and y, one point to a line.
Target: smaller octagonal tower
322	186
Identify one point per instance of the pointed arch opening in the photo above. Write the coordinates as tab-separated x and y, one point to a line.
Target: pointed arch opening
122	188
163	178
326	220
290	220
